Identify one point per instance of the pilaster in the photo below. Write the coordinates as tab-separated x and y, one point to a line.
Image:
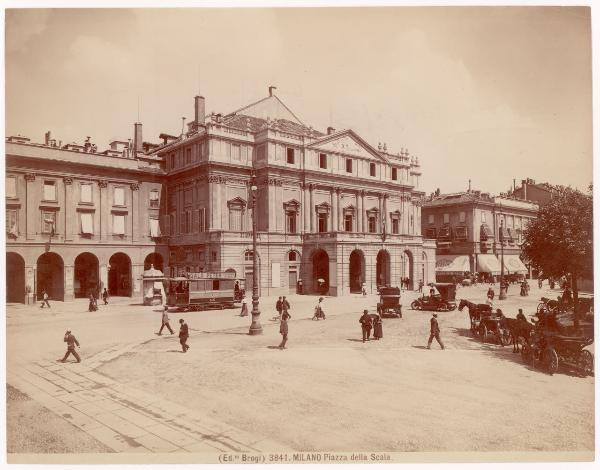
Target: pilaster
30	203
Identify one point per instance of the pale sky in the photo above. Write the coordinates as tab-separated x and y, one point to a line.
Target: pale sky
489	94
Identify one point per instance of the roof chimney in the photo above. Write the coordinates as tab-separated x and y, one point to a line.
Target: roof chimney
330	130
47	136
137	138
199	111
271	88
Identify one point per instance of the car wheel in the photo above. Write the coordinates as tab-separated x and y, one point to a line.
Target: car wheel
585	361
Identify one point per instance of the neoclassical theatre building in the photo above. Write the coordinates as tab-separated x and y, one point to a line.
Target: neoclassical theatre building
332	210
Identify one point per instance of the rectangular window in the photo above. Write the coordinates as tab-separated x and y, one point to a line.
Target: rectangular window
188	156
154	198
154	228
460	233
11	186
202	222
118	224
290	156
87	224
188	221
213	256
291	222
12	226
322	223
372	169
85	193
236	152
395	226
49	191
482	217
431	218
394	174
446	218
119	196
461	217
348	223
323	161
235	220
187	197
348	165
48	221
372	224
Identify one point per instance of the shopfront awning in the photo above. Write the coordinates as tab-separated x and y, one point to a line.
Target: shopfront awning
488	264
514	265
452	264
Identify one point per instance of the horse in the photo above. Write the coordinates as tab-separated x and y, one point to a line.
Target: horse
475	310
518	327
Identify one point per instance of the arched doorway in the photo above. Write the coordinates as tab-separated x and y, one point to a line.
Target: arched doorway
50	276
86	280
407	268
382	270
15	278
357	270
154	259
293	260
320	279
424	269
119	275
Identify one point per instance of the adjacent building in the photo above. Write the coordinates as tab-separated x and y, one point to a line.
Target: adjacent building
332	210
468	228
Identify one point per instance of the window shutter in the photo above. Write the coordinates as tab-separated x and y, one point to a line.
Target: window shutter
166	228
196	222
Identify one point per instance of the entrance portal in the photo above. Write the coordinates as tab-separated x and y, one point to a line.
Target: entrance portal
119	275
383	268
86	276
50	276
15	278
320	261
155	259
357	271
407	262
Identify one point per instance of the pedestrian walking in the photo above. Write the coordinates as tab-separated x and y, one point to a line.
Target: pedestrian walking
183	335
364	288
421	284
105	296
283	329
407	283
45	299
244	312
490	294
365	322
279	308
165	321
92	306
540	282
285	305
434	332
377	328
71	342
319	310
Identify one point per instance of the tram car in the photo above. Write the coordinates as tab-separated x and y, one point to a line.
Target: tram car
201	291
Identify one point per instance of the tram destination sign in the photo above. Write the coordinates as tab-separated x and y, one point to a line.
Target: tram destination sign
214	275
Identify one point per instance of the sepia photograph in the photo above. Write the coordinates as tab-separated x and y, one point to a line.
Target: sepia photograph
287	235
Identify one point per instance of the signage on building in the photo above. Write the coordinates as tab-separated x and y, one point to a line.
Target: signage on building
216	275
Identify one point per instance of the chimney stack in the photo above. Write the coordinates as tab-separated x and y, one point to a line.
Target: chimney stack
524	184
199	112
330	130
47	135
271	88
137	138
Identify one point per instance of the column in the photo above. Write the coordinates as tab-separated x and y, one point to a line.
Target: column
104	275
334	207
301	210
70	215
340	219
136	274
69	273
306	208
272	210
381	213
386	215
313	222
363	214
30	202
104	210
359	212
30	279
135	212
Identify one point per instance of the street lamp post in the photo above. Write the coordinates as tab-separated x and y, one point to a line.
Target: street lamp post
255	327
502	295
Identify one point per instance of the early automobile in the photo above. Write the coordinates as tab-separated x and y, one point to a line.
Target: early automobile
389	302
444	300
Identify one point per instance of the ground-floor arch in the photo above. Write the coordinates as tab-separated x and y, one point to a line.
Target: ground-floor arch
408	268
383	269
154	259
15	278
356	270
86	276
119	275
320	271
50	276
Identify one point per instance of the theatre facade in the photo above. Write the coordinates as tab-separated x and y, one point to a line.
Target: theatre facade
332	211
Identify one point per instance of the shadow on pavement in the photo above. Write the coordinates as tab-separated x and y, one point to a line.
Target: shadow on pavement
226	333
273	347
355	340
175	351
420	347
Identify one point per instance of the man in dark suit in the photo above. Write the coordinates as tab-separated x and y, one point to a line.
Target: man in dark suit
434	332
365	322
183	335
71	342
283	328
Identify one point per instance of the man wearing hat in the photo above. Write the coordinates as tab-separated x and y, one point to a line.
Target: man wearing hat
165	321
365	322
434	332
71	342
183	335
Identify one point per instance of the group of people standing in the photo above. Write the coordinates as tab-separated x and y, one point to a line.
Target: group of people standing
370	322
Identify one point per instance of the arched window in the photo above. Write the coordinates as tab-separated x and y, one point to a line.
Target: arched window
249	255
293	256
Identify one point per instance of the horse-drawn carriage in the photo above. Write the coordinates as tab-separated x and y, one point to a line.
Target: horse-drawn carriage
485	324
444	301
389	302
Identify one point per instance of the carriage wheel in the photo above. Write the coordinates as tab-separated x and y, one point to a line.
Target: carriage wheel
551	360
414	305
505	337
483	332
540	307
452	308
585	361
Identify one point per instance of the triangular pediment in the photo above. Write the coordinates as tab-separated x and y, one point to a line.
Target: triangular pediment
236	202
272	108
348	143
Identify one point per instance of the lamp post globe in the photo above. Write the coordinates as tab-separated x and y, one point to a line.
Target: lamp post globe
255	326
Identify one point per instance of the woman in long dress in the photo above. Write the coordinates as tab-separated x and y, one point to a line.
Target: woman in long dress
244	312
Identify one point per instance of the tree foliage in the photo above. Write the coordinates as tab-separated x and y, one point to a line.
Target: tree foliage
560	241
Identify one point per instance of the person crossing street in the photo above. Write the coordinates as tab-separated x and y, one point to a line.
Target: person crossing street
434	332
71	342
183	335
365	323
165	321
